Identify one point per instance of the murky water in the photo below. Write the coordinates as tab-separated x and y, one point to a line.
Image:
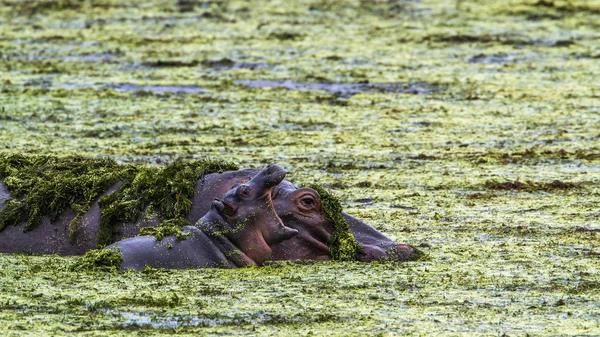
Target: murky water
346	89
130	87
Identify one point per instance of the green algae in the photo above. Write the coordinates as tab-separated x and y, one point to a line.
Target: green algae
503	262
165	190
105	260
167	228
45	186
342	244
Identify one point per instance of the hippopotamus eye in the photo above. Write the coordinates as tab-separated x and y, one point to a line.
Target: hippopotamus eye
307	202
243	191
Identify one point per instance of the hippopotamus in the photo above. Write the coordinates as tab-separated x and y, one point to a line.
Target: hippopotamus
291	204
300	209
237	231
53	238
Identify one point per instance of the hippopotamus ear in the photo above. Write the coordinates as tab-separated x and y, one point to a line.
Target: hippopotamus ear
306	199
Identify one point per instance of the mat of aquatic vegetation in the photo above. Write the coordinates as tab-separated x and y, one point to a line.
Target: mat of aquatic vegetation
470	129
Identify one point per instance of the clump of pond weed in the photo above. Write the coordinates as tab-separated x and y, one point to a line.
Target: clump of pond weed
99	260
529	185
46	186
34	7
342	244
166	190
148	300
167	228
518	157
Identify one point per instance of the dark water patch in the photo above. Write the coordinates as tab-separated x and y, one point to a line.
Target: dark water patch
159	89
468	38
500	58
550	10
34	7
30	8
346	89
226	63
532	156
365	200
587	55
140	320
422	156
130	87
287	36
539	16
566	7
170	64
406	208
580	229
185	6
554	43
504	39
530	185
304	125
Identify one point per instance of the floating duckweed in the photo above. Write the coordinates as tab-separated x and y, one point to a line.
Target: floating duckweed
99	260
342	244
167	228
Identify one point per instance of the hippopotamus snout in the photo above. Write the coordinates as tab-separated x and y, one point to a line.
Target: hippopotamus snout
224	207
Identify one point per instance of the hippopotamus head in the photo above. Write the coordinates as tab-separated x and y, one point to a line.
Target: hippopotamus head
301	209
245	215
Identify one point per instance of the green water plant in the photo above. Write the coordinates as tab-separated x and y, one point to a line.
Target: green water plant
43	186
167	228
106	259
165	190
48	185
342	244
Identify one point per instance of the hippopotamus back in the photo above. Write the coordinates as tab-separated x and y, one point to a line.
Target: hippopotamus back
196	251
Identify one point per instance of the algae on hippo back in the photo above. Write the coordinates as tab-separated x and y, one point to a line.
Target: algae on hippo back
43	186
167	190
166	228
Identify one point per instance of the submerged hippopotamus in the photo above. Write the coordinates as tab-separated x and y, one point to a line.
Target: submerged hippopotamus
301	209
298	208
237	231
